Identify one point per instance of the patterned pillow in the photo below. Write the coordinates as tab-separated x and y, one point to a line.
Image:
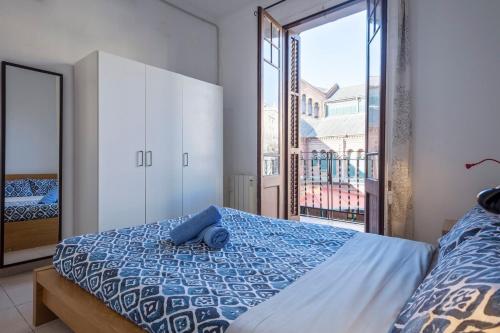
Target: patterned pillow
17	188
461	294
42	186
468	226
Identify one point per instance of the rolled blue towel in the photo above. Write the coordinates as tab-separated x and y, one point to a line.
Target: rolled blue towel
194	225
216	236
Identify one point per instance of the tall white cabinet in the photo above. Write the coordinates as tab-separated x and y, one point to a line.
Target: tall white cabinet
148	144
163	159
200	129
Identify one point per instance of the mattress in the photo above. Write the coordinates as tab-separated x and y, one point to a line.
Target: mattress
140	274
19	209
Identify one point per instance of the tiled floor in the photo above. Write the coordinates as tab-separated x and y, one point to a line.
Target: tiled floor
28	254
334	223
16	307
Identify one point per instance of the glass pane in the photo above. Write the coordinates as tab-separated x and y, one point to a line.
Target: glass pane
374	95
276	56
266	50
378	16
275	35
372	161
371	25
371	6
271	120
267	29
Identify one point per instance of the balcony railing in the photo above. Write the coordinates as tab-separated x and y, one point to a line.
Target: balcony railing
271	164
332	186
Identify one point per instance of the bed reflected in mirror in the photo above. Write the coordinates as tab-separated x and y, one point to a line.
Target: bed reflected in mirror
31	125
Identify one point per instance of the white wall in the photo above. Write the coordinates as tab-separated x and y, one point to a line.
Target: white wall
456	70
54	34
455	50
32	118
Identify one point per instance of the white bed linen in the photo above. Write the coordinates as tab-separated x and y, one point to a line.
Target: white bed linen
23	199
360	289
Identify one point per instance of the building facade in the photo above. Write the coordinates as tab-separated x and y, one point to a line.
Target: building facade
333	120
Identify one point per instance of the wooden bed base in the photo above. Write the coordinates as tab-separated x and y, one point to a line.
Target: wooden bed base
31	175
29	234
56	297
21	235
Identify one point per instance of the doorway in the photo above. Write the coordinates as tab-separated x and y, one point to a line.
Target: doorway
325	112
332	120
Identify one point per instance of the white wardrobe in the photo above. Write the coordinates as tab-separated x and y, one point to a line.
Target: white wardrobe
148	144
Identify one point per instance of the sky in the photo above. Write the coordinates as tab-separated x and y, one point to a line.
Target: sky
335	52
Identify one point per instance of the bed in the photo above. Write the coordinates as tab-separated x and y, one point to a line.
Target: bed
273	276
19	209
27	223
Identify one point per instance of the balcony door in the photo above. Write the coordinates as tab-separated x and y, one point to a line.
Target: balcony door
279	112
271	168
375	116
279	119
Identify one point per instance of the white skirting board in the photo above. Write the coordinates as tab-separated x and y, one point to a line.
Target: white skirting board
242	193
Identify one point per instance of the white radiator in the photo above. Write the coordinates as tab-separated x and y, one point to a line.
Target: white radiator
242	193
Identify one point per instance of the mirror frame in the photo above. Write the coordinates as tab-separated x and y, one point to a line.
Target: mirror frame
2	169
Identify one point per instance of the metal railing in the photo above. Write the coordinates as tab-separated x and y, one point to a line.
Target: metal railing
332	186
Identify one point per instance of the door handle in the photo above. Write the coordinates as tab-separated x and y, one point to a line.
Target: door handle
140	158
185	159
149	160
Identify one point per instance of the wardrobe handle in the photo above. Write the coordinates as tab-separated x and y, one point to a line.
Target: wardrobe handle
149	160
140	158
185	159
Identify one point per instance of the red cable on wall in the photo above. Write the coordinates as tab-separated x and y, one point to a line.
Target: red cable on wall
471	165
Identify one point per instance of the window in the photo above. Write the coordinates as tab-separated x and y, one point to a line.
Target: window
316	110
344	108
361	165
351	166
271	112
314	158
334	164
323	161
310	107
326	110
303	106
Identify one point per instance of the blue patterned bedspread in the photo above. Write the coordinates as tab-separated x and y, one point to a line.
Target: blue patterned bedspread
29	209
140	274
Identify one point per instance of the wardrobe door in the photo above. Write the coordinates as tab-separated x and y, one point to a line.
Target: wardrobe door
121	142
163	157
202	145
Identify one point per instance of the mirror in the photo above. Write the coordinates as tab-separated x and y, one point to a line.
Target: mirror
31	168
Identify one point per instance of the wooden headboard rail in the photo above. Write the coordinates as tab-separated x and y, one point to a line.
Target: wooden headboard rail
32	176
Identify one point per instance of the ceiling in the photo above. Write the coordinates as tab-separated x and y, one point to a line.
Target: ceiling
211	10
333	16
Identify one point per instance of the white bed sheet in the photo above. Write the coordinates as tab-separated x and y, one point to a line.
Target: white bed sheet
23	199
361	289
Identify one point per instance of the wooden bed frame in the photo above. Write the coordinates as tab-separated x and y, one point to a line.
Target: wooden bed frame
22	235
33	233
56	297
